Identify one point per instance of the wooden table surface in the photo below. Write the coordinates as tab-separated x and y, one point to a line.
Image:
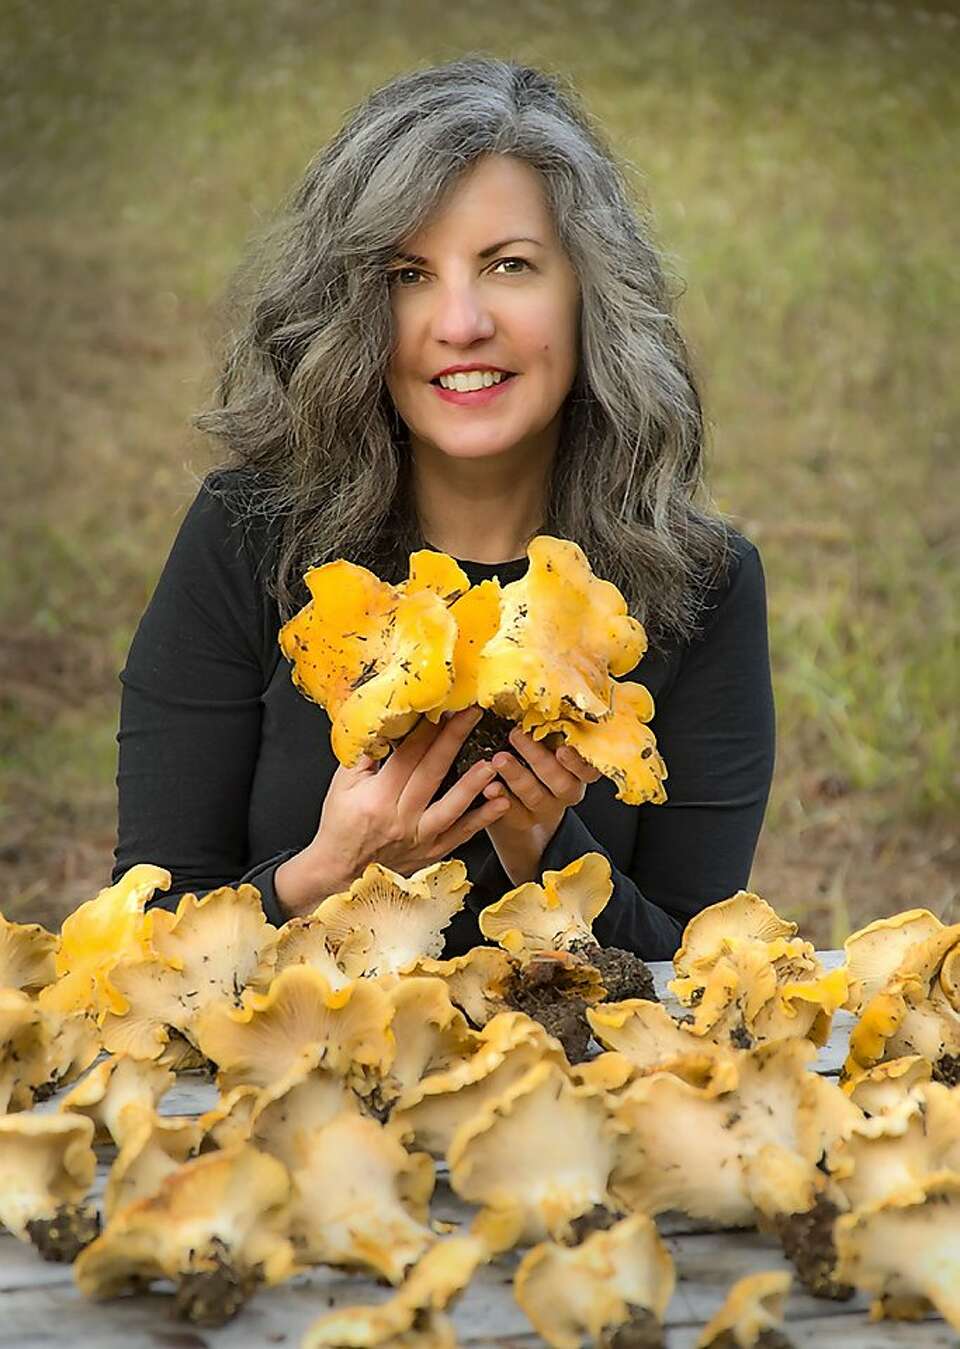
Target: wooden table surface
39	1305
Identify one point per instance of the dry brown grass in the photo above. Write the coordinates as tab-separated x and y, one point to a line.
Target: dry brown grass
799	159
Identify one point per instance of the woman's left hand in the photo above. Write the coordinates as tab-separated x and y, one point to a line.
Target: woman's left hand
540	784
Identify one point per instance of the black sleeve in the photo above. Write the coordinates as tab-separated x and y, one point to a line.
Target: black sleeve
715	729
190	711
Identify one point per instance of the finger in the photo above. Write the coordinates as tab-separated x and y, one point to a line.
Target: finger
421	786
471	824
543	763
576	763
405	756
439	816
532	794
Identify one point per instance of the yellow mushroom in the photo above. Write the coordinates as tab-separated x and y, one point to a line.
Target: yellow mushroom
47	1165
400	919
216	1227
115	1086
620	1279
373	655
26	956
753	1308
541	1152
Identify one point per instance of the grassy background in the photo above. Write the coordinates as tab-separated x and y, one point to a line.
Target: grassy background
800	160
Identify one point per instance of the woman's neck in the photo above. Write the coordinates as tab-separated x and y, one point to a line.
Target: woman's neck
479	510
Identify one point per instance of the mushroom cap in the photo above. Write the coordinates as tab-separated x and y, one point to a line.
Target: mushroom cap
621	746
413	1318
431	1034
475	981
401	919
45	1161
906	1246
360	1198
24	1042
886	1085
374	656
647	1034
259	1041
543	1150
98	934
430	1112
206	952
710	1153
874	952
587	1291
754	1304
26	956
153	1147
286	1114
305	940
742	915
111	1088
910	1140
551	916
238	1198
562	634
229	1121
477	616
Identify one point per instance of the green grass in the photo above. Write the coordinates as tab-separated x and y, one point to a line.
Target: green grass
799	160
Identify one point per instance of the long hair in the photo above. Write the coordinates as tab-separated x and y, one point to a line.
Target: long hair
302	404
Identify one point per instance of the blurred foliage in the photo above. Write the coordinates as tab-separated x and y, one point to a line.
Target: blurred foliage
799	158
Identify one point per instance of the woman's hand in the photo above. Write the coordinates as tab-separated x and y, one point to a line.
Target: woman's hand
382	812
539	784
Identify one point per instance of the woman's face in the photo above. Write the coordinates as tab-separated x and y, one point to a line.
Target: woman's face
485	288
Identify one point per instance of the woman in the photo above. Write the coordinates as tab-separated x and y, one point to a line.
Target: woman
458	336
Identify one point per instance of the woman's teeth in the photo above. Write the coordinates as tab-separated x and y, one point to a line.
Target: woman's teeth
468	381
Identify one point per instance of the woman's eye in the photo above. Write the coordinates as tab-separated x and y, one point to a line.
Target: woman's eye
402	276
514	265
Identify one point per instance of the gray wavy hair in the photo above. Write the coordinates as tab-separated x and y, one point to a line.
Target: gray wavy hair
302	403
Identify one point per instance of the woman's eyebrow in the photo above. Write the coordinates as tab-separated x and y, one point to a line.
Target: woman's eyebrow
484	252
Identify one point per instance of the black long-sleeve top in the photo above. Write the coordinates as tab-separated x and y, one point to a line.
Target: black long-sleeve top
224	766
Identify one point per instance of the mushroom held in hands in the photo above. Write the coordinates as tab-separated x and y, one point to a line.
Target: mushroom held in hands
905	1249
751	1315
375	656
216	1227
616	1280
386	922
47	1165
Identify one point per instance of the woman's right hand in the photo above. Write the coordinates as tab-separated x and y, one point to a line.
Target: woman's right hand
383	811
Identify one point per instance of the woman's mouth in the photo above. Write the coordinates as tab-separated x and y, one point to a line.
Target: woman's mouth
472	388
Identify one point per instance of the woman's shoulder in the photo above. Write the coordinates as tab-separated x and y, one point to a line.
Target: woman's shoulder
734	594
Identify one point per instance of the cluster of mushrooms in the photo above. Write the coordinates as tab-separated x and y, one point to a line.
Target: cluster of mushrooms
567	1106
351	1060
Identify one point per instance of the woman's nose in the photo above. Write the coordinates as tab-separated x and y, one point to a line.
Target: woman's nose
460	317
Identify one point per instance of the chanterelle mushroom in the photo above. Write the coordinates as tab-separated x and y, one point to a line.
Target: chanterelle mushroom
95	937
47	1165
751	1315
905	1249
216	1227
210	950
542	1150
562	634
117	1085
26	956
400	919
261	1040
618	1279
374	655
